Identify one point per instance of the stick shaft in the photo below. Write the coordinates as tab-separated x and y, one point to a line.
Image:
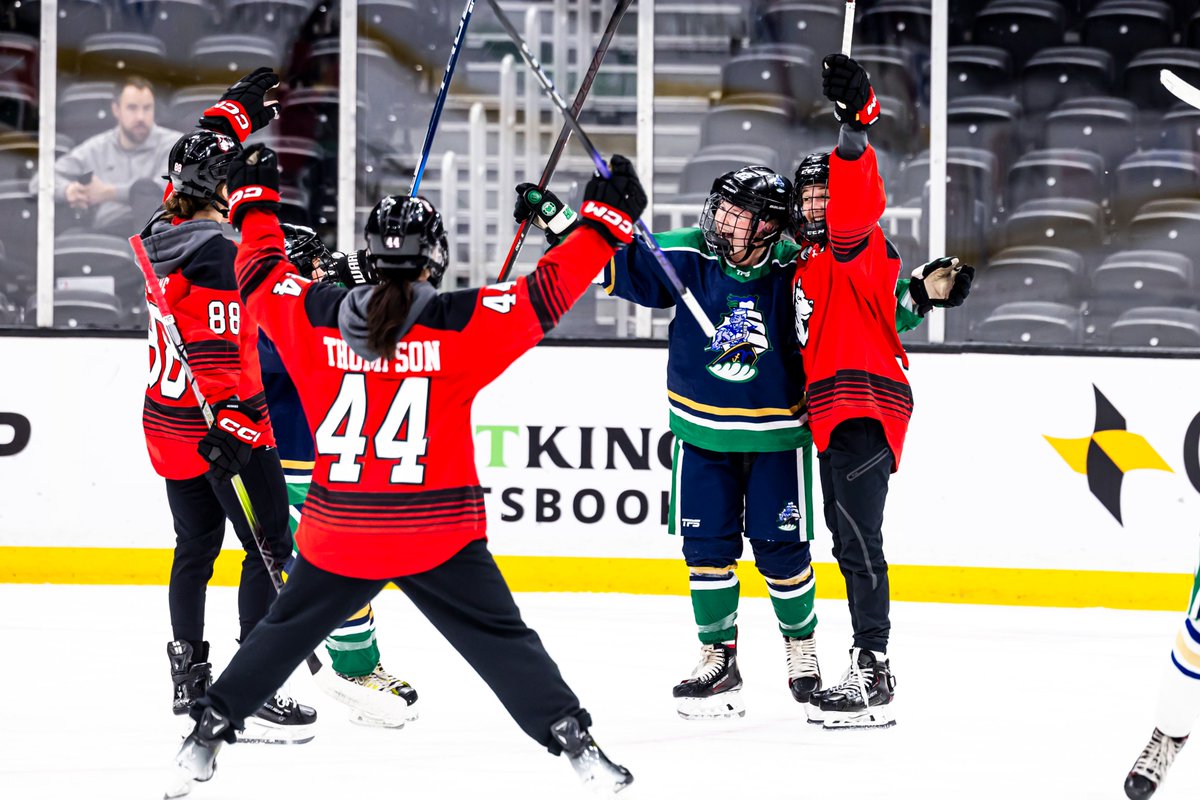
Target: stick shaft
440	102
560	145
848	28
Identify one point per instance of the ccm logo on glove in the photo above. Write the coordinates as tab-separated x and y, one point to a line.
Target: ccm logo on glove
242	432
608	215
235	113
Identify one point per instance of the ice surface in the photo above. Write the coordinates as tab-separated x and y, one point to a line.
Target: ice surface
993	702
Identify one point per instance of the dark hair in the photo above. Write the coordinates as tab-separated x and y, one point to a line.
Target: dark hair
386	312
185	206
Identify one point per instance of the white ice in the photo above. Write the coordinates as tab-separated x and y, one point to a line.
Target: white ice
993	702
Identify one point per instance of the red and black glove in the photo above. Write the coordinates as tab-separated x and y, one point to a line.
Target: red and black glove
228	444
252	182
848	86
613	205
244	107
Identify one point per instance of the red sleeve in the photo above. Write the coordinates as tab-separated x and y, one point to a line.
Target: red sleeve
209	319
273	293
856	202
510	318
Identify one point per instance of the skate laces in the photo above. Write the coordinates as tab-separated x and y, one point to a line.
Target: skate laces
854	682
802	657
380	680
1157	756
712	661
284	704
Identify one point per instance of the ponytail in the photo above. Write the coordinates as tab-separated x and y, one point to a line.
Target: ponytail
386	312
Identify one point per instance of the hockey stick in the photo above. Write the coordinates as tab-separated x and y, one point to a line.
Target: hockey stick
561	144
686	296
1180	88
848	28
350	694
443	90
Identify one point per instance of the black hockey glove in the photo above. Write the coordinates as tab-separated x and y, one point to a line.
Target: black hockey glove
244	108
545	210
252	182
351	269
228	444
943	282
613	205
848	86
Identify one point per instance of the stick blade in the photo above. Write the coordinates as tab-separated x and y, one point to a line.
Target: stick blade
1180	88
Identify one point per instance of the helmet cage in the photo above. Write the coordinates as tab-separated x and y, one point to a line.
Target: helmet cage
756	189
303	245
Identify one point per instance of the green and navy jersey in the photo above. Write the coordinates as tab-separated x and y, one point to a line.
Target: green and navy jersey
743	389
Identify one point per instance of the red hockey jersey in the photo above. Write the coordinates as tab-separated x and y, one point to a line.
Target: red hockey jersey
846	311
194	263
395	489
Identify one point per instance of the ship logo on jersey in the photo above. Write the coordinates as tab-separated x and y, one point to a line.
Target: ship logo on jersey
804	309
789	518
1106	455
740	339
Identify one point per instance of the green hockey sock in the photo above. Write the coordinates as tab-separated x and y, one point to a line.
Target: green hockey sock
715	594
793	602
352	647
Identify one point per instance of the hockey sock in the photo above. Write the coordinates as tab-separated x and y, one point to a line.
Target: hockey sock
1179	697
715	592
352	647
793	602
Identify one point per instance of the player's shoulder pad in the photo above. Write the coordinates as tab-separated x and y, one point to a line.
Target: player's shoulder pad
322	301
450	311
211	265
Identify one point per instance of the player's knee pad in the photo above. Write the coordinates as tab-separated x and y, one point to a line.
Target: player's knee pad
782	561
712	551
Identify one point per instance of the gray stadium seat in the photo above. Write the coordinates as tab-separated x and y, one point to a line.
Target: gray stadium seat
1064	73
902	23
1063	172
1166	225
1157	327
1059	222
85	109
747	77
1021	27
18	107
1179	129
82	308
19	58
1032	323
1126	27
748	123
987	123
1053	274
1129	278
168	19
1154	175
106	56
815	25
226	57
95	255
1104	125
979	69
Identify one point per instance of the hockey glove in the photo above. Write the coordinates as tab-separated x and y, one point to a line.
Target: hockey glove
244	108
544	209
228	444
943	282
612	205
351	269
849	87
252	182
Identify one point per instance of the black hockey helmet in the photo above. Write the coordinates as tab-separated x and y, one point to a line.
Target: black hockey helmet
404	237
757	189
198	164
813	171
303	245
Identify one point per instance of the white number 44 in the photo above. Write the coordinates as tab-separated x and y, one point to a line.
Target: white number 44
288	287
500	303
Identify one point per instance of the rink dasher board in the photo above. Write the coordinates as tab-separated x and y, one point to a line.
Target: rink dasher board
985	508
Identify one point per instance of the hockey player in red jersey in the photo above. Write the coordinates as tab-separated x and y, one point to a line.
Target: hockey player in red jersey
387	375
194	262
859	401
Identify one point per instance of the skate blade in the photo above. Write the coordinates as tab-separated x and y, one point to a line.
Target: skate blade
261	732
878	717
814	714
393	722
726	705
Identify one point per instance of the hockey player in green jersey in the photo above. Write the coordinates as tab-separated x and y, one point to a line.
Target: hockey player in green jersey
742	454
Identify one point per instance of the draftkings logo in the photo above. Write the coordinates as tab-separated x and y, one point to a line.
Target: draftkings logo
1106	455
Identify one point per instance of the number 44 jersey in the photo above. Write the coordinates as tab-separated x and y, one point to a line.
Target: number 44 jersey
194	264
394	489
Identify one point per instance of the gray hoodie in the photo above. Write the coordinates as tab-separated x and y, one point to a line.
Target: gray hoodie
173	246
352	316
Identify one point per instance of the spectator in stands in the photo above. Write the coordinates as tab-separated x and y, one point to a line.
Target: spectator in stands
115	178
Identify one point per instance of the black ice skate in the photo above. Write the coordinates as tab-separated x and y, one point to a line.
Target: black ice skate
714	691
395	704
598	773
804	673
862	698
190	673
280	720
197	758
1151	766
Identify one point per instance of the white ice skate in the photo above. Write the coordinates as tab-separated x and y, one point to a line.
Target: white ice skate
378	700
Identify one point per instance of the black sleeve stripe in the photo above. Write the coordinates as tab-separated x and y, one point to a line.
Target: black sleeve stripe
892	252
546	294
845	254
212	346
322	302
255	272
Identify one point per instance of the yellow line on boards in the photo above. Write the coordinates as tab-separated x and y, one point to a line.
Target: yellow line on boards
931	584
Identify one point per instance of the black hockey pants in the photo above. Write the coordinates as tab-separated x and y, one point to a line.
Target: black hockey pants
854	481
465	598
200	507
